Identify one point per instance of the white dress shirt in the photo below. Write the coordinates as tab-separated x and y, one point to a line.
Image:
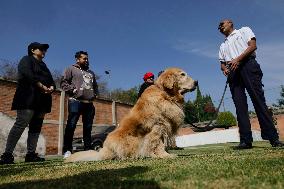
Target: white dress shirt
235	44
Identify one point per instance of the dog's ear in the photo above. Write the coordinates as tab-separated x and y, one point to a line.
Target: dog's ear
169	81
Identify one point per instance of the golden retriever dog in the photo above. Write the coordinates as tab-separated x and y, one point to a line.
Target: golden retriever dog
144	131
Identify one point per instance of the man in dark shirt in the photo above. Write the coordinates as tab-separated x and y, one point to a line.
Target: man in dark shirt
148	81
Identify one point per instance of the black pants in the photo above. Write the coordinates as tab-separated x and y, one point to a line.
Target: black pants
248	77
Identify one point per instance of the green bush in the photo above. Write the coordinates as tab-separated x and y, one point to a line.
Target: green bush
226	119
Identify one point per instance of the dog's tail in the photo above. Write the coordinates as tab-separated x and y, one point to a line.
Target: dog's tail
91	155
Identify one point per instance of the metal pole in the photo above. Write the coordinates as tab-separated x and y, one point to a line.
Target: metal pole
61	123
113	111
107	72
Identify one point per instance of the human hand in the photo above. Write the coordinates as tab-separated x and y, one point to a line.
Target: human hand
50	89
47	90
226	71
234	64
44	89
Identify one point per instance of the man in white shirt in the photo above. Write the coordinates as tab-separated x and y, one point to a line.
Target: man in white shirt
237	56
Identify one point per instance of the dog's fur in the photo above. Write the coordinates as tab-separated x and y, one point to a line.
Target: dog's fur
154	119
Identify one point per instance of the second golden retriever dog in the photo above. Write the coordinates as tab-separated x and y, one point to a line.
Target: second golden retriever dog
143	132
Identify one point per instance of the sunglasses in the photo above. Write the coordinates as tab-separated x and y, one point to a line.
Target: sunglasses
42	50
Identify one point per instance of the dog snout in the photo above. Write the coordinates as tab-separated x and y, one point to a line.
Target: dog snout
196	83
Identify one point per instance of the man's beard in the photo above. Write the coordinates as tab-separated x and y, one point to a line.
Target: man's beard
85	66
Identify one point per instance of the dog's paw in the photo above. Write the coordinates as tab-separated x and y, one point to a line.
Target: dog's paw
170	156
166	155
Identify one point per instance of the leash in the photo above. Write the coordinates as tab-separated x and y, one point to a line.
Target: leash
208	126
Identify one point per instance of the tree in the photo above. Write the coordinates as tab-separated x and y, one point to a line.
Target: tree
190	112
226	120
209	108
281	100
201	109
57	76
8	69
126	96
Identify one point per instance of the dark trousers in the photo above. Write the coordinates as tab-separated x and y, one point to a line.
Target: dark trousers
248	77
75	109
25	118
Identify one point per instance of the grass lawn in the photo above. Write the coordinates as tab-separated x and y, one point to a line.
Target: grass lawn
210	166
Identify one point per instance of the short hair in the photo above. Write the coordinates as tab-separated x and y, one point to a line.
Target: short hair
79	53
230	21
160	72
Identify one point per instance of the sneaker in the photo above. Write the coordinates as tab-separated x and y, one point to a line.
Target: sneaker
33	157
67	154
7	158
276	143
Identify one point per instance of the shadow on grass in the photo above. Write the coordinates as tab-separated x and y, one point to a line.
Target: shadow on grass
109	178
185	155
253	147
12	169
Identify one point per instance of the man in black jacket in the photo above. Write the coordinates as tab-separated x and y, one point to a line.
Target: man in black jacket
32	100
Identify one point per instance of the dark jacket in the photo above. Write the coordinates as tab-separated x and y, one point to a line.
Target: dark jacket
144	86
80	84
28	95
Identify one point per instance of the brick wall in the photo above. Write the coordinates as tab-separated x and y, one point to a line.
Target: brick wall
7	91
50	129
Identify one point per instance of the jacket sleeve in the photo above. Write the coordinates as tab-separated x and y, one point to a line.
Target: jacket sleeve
66	82
25	70
50	80
141	90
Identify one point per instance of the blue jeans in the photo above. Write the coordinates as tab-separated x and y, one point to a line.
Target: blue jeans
75	109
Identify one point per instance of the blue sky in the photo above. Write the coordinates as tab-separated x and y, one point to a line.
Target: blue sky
131	37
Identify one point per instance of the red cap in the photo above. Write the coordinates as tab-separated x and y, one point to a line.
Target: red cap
148	75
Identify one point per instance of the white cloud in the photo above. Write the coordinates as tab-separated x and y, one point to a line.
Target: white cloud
197	47
271	58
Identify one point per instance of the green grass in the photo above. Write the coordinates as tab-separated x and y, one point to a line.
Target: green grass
210	166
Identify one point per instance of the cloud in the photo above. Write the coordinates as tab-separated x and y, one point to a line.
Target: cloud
270	56
197	47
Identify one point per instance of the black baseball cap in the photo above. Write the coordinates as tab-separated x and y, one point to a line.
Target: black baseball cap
36	45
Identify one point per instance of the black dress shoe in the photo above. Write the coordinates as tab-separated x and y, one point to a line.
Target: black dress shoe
243	146
7	158
276	143
33	157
